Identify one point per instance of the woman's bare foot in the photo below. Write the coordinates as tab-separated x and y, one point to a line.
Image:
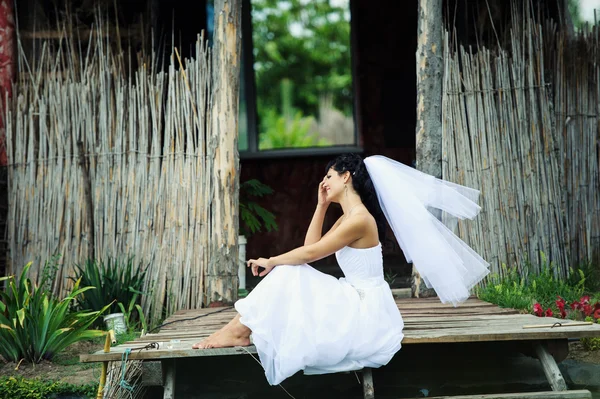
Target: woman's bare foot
222	339
233	334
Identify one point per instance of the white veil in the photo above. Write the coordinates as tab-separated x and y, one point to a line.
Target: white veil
445	262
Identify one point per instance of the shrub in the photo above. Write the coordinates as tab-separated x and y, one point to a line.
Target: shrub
592	343
253	216
35	325
522	290
116	282
22	388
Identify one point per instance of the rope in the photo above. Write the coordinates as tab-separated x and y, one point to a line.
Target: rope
123	383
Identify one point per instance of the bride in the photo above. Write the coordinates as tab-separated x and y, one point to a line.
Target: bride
302	319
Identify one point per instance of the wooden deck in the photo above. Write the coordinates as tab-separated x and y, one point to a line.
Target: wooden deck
426	321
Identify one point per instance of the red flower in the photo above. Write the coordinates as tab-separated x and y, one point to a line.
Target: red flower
538	310
587	310
576	305
597	314
560	303
563	314
549	313
585	300
597	306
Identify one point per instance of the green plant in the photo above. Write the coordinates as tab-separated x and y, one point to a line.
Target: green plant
253	216
116	282
506	291
521	289
34	325
593	343
22	388
588	275
49	271
128	312
281	131
390	276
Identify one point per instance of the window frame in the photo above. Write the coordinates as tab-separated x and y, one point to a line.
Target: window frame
253	152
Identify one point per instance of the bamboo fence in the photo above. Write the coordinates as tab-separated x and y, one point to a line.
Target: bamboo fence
521	125
134	145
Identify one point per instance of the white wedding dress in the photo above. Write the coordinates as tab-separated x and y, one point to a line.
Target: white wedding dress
302	319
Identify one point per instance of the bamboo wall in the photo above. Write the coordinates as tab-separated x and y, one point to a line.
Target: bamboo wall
139	142
520	123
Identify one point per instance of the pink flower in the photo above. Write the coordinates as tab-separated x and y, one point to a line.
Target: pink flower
585	300
549	313
538	310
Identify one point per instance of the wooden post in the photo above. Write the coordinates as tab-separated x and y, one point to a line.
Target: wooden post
429	101
368	387
7	66
221	283
168	367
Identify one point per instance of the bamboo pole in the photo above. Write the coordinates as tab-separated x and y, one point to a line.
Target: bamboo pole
143	139
521	124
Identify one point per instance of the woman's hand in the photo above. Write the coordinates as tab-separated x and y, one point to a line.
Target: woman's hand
322	195
260	262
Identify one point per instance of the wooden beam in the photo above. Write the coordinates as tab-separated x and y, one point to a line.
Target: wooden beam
553	374
221	283
429	102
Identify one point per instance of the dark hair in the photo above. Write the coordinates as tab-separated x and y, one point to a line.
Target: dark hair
361	181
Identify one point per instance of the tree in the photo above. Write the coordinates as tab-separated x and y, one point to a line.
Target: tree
307	42
575	11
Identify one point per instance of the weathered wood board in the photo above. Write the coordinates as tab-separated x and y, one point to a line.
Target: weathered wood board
426	321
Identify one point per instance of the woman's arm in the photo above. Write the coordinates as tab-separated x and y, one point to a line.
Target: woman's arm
315	229
347	232
316	225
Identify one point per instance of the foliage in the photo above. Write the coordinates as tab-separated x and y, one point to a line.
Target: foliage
128	313
390	276
521	290
116	281
278	131
253	216
34	325
49	271
22	388
575	11
587	274
307	42
301	55
592	343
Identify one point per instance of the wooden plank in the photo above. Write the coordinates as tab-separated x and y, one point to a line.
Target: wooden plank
576	394
420	328
183	350
551	370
